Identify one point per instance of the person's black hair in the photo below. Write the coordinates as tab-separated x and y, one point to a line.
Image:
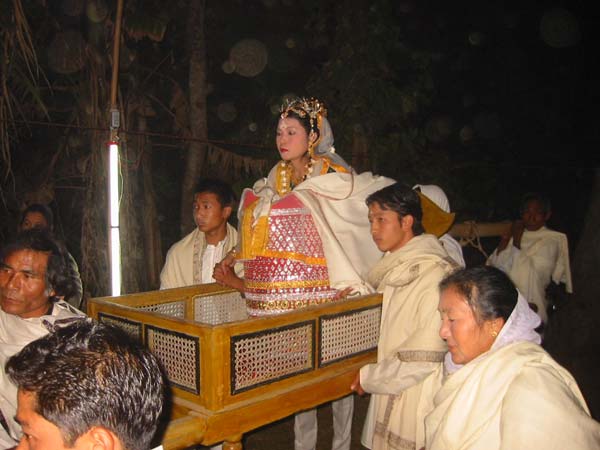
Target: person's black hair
221	189
401	199
488	291
60	275
89	374
43	210
543	200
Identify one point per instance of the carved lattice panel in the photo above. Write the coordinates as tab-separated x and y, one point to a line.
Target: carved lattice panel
348	334
179	354
171	309
132	328
271	355
221	308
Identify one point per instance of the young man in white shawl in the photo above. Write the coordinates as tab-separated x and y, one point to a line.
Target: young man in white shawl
409	348
35	277
534	257
192	259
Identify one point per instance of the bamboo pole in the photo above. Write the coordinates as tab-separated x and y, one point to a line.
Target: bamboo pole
114	84
471	229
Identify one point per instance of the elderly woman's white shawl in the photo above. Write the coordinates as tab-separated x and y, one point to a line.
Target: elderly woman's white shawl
513	397
517	397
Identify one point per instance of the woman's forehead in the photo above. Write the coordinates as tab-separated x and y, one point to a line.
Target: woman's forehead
451	298
288	122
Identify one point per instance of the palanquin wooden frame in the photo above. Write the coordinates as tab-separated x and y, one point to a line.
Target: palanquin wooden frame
219	408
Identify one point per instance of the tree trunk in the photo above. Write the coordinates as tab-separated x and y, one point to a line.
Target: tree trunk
132	248
197	110
95	267
573	335
152	243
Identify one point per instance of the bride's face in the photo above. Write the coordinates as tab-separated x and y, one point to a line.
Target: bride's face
292	139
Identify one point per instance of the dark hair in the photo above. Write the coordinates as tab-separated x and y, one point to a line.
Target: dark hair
91	374
541	198
487	290
60	274
401	199
43	210
222	190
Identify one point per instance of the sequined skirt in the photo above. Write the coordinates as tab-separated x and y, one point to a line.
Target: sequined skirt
276	285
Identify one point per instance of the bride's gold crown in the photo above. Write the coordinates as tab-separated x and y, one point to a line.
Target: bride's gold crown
311	107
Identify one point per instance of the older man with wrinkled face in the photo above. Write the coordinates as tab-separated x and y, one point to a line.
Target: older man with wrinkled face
34	278
23	290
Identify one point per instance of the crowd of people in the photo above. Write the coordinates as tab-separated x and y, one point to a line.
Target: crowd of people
459	362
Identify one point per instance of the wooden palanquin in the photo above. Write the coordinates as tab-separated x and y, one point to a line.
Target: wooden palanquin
231	373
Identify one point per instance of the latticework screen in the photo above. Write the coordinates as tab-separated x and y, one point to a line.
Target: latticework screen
271	355
221	308
347	334
132	328
179	354
171	309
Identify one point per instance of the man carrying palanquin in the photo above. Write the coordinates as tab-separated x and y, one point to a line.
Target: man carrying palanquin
192	259
533	256
34	278
409	348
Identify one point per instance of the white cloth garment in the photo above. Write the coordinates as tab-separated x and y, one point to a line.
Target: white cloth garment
185	264
513	396
337	205
543	258
211	256
16	333
438	196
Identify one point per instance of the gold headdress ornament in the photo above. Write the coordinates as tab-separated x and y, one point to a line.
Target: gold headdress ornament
303	107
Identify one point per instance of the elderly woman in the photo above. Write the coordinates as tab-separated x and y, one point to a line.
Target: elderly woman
501	389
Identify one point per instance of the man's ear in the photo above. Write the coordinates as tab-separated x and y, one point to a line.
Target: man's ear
548	215
407	222
100	438
227	212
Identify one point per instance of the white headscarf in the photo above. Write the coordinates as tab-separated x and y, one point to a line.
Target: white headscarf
325	148
435	194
